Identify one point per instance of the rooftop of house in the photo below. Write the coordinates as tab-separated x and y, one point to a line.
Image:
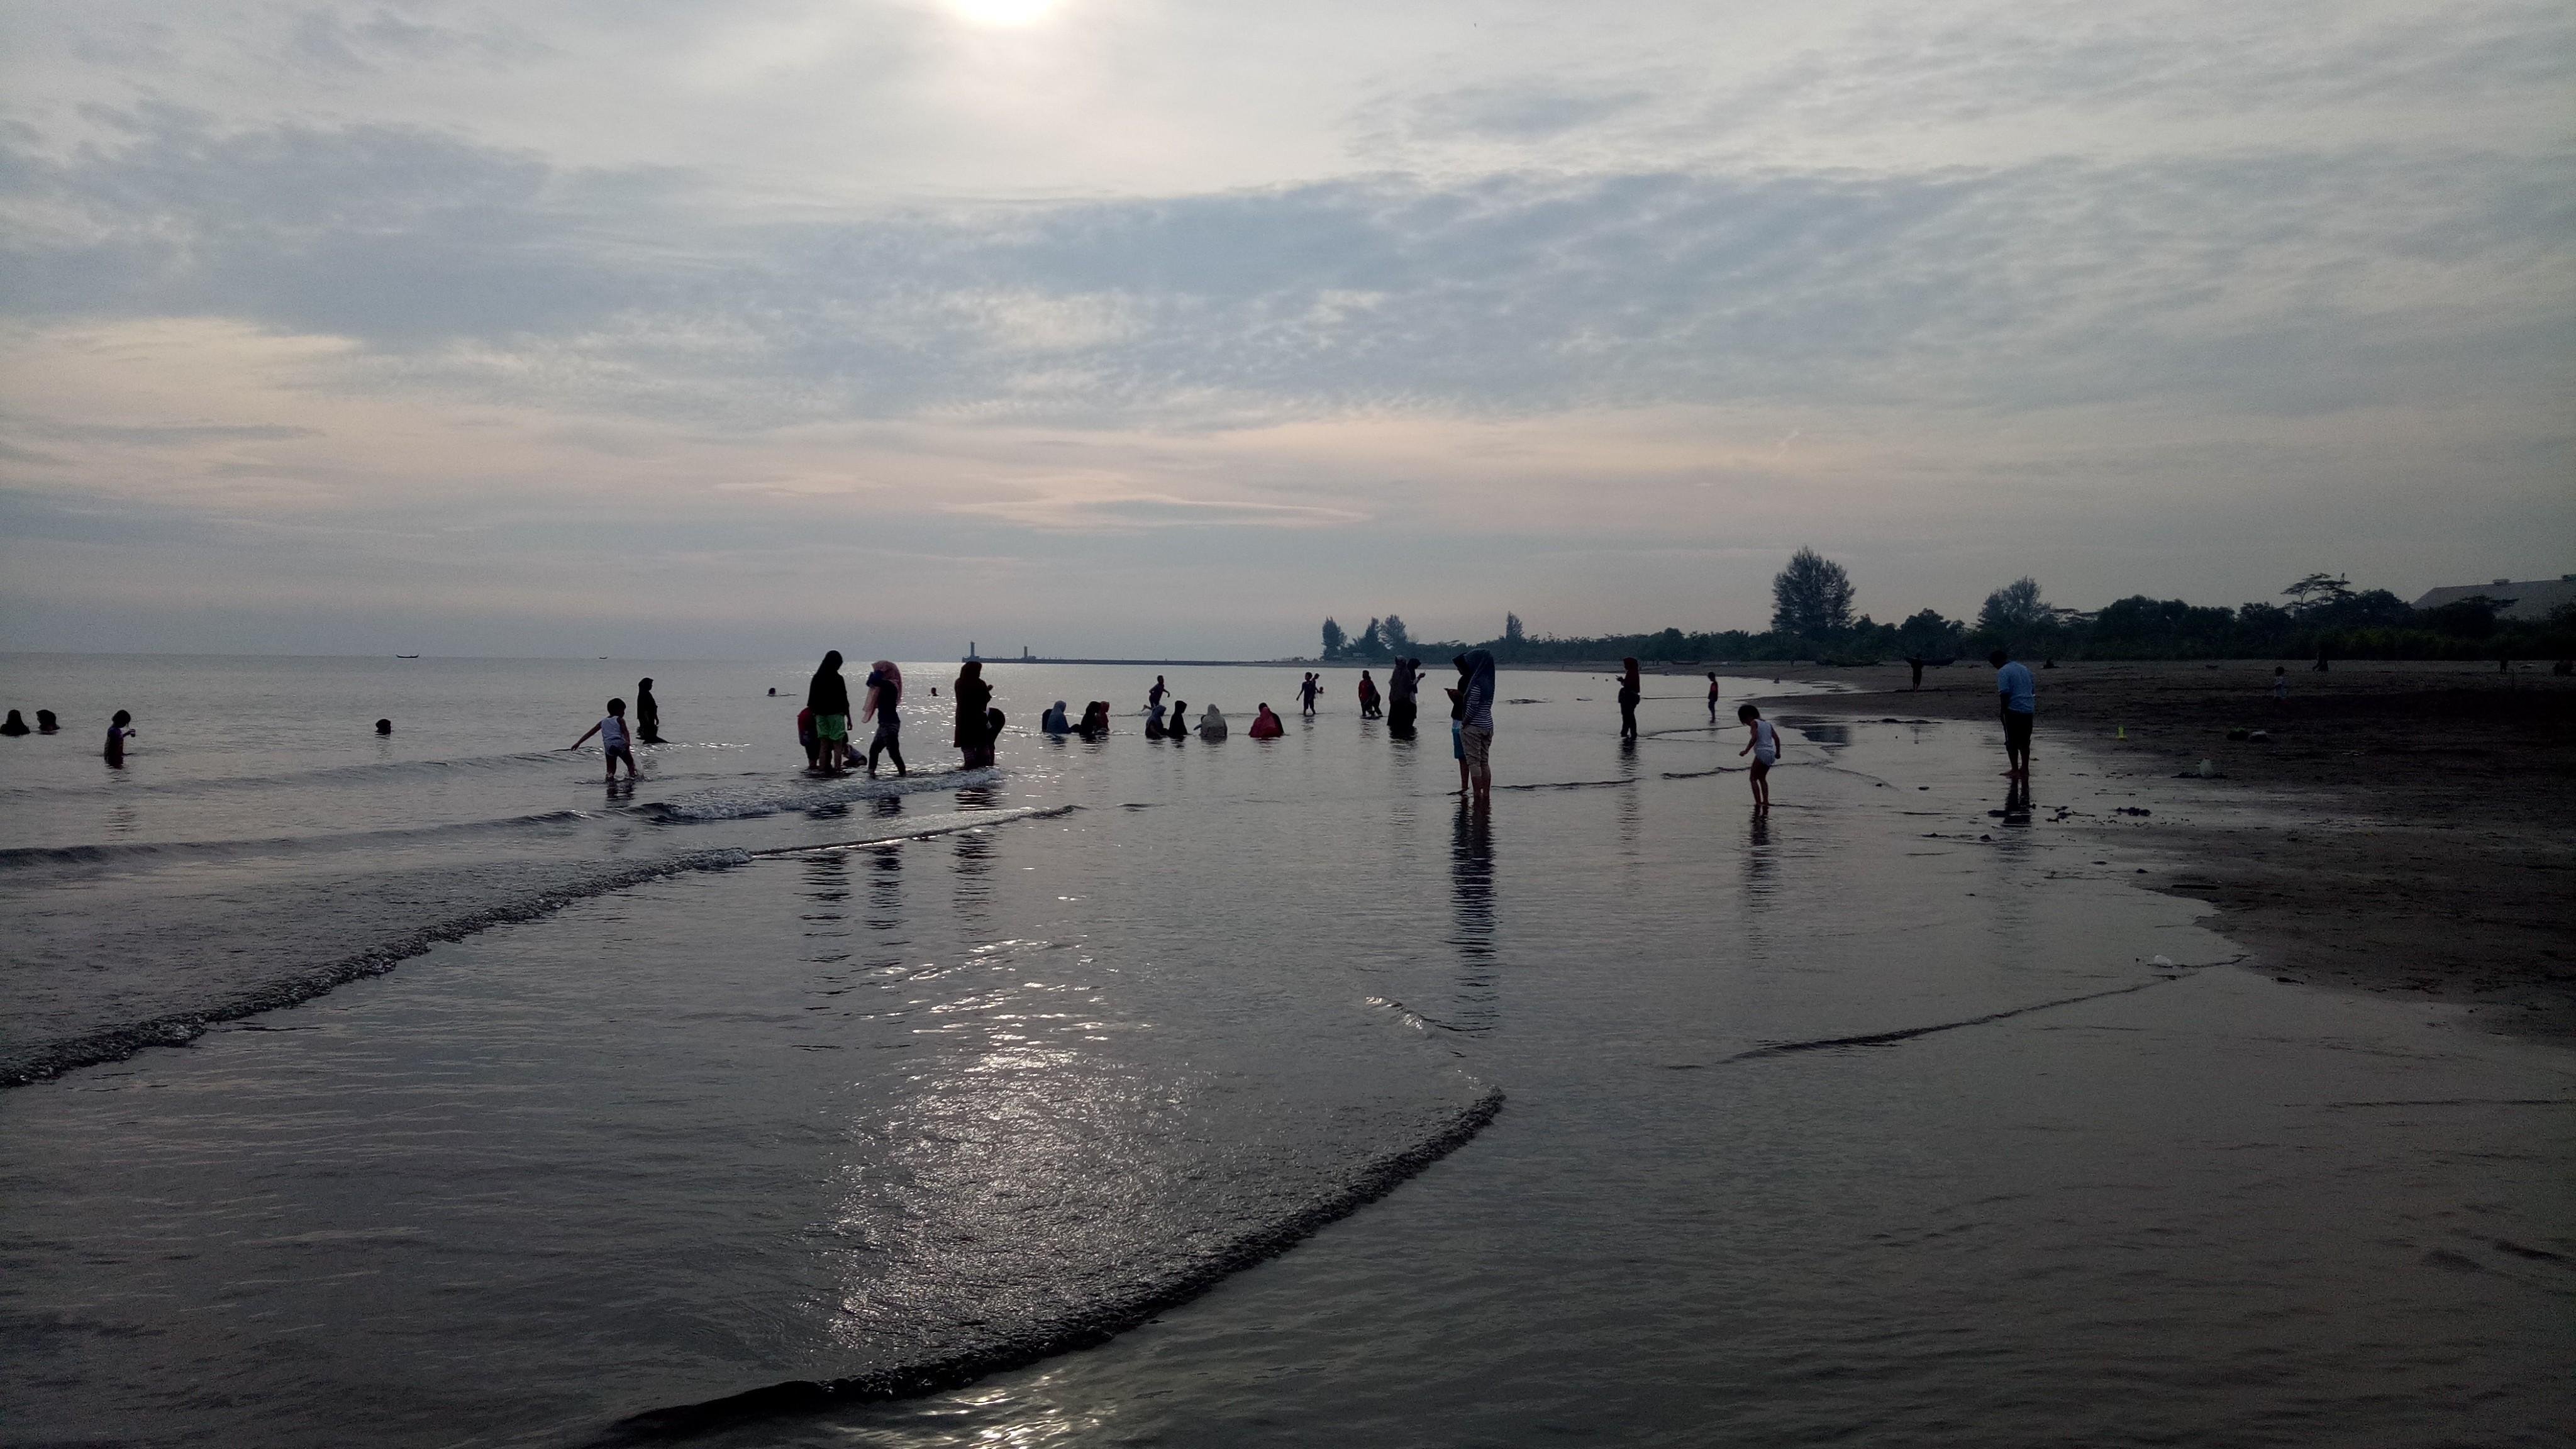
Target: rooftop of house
2521	600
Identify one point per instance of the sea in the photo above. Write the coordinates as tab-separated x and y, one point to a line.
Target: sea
421	1089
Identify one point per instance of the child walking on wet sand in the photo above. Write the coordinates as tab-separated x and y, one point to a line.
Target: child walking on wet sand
1764	747
614	742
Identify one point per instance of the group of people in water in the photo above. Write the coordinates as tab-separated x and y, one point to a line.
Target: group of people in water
828	731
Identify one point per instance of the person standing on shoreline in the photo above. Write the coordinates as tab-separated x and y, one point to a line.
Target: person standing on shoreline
2019	695
828	696
974	696
1712	697
1631	689
1764	746
1476	723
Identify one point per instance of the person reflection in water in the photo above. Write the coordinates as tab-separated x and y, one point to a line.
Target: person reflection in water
1471	904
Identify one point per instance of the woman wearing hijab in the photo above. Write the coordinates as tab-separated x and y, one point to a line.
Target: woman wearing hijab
885	701
1476	722
1401	687
1631	689
828	696
1180	726
1154	722
648	714
1212	725
1054	722
13	726
974	696
1266	726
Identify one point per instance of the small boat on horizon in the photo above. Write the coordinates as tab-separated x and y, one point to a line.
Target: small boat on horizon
406	656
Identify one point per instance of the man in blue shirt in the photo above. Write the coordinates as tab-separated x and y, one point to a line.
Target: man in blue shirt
2020	696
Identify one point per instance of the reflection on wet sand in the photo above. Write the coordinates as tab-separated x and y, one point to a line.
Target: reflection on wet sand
1471	898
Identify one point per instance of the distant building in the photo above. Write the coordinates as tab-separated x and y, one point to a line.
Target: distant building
2523	601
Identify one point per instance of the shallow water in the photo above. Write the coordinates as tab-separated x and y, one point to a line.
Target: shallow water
1793	1144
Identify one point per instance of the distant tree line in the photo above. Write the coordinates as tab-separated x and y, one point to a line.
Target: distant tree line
1812	618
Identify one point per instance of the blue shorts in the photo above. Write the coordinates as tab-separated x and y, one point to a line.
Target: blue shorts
1457	739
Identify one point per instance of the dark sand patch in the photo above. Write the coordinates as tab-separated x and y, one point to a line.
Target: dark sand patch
2407	829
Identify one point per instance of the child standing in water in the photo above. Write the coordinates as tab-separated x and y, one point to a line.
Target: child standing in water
614	742
119	730
1764	747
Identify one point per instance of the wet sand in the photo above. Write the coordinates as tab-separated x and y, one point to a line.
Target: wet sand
2407	829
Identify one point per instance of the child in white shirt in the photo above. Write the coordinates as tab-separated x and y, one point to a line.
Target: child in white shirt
1764	747
614	742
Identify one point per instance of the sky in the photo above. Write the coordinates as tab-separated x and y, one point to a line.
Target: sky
1139	328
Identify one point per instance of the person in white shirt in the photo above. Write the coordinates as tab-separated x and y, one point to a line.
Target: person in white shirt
1764	747
614	742
2019	694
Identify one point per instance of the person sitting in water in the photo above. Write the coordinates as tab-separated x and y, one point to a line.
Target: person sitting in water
46	723
384	727
1212	724
613	740
1179	729
1154	722
1368	696
1266	726
1054	722
13	726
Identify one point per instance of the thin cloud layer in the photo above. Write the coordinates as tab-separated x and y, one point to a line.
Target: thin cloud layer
1954	298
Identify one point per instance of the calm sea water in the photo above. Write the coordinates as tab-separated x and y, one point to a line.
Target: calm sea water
496	1107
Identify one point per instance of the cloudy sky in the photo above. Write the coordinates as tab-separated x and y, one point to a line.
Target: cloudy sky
1134	326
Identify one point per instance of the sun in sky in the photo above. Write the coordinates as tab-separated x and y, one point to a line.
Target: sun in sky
1002	13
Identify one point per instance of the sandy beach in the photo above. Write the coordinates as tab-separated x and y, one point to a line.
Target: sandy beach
2404	830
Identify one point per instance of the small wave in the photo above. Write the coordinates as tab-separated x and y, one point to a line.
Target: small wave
25	857
53	1058
373	770
921	827
772	796
1096	1323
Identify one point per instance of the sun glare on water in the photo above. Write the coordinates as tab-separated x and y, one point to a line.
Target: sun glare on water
1002	12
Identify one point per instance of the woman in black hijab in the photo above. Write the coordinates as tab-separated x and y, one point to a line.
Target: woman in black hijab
974	696
648	714
828	697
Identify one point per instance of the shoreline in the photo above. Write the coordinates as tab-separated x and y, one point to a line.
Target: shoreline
2405	830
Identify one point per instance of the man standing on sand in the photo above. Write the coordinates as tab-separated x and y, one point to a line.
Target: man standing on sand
2019	694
